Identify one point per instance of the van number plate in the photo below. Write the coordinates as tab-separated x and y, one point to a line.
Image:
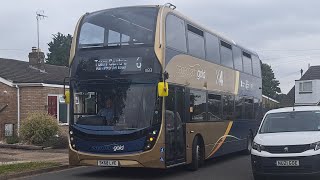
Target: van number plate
288	163
108	163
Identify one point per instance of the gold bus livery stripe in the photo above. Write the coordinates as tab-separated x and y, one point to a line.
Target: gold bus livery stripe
221	140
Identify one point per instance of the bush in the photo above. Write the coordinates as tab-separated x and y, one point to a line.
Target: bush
12	140
38	128
58	142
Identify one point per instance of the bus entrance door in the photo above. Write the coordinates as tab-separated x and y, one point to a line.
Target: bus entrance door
175	126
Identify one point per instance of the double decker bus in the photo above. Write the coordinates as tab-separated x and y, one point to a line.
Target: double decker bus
151	88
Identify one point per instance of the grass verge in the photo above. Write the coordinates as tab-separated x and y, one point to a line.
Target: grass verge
24	167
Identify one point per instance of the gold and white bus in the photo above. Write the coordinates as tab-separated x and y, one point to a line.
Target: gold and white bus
151	88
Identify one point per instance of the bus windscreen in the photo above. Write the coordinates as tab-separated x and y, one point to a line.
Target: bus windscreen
115	106
111	28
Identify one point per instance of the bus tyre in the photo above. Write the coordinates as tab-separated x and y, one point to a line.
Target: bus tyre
249	144
258	177
196	155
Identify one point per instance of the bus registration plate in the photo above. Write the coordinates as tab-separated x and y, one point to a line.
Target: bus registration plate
288	163
108	163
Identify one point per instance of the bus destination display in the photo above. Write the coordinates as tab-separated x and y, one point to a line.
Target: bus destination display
119	64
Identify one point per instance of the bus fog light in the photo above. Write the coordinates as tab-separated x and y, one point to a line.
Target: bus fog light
73	145
71	139
148	146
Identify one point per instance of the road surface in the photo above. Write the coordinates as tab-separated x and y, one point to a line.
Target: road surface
231	167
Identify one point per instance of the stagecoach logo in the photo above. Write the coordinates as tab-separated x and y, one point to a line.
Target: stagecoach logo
110	147
286	149
219	80
191	71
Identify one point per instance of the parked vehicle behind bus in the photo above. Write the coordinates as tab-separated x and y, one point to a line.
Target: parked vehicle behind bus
288	143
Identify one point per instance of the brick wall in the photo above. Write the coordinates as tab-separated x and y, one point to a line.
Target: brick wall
8	95
32	99
35	99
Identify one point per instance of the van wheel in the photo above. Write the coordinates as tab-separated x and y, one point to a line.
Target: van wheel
249	144
258	177
197	155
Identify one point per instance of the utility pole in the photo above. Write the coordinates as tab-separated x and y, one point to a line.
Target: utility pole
40	15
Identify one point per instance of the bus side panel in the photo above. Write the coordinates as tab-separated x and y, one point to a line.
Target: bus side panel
212	133
237	137
220	138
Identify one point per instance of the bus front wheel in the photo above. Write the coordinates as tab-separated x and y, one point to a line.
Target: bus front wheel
197	155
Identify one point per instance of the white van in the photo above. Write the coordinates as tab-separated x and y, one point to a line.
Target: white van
287	143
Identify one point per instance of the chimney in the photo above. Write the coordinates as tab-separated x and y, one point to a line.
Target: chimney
36	59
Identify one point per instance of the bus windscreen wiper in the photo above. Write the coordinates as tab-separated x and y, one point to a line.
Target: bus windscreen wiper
85	46
108	46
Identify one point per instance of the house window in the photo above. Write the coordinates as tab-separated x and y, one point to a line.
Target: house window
305	87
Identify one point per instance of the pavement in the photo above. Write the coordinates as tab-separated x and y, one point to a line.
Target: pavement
231	167
10	156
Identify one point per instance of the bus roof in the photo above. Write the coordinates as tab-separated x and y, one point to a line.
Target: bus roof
151	6
220	35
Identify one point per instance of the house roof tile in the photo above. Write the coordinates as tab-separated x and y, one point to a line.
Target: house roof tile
21	72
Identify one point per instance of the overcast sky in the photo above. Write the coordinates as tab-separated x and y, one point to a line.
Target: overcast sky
285	34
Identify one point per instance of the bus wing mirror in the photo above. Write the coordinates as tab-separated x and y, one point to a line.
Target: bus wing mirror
67	97
163	89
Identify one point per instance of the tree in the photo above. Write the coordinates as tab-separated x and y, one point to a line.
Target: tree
59	50
270	85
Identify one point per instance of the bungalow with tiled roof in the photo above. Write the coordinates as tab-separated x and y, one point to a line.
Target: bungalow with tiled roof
28	87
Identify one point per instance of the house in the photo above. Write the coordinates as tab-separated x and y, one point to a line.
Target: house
28	87
306	90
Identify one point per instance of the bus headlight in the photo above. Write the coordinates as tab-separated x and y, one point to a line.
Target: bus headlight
151	139
315	146
257	147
